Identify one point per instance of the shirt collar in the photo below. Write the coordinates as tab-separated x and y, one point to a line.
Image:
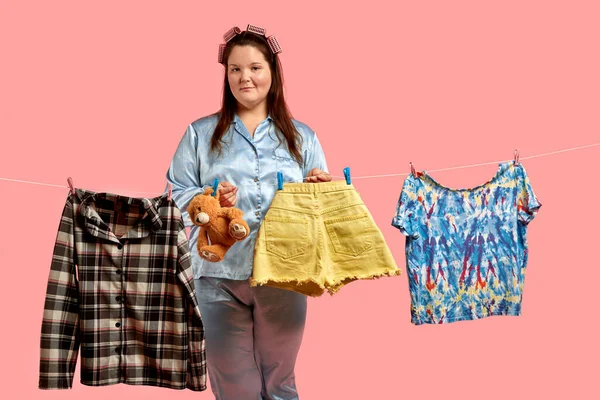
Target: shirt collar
240	128
97	227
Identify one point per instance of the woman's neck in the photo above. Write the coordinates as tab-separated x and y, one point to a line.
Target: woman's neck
257	113
251	117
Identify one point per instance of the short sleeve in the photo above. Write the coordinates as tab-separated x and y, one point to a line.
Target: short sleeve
527	202
406	210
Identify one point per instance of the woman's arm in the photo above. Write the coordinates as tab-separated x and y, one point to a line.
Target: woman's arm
184	173
315	165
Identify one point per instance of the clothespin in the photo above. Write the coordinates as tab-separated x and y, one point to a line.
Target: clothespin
215	187
347	175
279	181
412	169
169	191
516	156
70	182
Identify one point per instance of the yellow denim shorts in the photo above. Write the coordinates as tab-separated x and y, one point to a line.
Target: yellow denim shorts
317	237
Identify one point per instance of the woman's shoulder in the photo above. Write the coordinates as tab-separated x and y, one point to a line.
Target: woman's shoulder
302	128
206	123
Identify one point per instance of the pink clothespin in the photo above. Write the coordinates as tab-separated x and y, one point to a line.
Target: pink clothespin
412	170
516	156
170	192
70	182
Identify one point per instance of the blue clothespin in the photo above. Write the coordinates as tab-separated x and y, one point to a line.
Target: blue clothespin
279	181
215	187
347	175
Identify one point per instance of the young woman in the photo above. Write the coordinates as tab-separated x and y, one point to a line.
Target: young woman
253	334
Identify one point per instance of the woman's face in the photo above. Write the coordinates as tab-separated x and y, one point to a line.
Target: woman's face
249	76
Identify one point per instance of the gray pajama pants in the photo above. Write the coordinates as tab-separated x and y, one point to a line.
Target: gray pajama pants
253	335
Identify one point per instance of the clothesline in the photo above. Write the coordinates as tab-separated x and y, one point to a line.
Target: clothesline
353	177
476	165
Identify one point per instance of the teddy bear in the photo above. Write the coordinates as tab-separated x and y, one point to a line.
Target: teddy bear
222	225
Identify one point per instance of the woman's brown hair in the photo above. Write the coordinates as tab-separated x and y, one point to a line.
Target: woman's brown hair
276	105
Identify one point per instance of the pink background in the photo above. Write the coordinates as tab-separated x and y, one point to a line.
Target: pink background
104	92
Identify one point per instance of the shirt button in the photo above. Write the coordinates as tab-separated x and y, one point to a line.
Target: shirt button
118	299
118	350
256	179
118	271
257	213
120	246
118	324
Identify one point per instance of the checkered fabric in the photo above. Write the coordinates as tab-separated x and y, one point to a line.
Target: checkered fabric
121	287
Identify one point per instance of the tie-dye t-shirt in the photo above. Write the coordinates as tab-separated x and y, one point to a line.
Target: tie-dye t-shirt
466	249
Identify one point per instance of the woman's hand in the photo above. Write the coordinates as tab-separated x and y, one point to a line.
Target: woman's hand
227	194
317	175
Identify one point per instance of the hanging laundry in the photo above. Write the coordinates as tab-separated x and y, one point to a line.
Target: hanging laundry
318	237
466	249
121	287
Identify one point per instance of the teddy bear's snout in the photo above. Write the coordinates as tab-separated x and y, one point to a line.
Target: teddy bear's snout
202	218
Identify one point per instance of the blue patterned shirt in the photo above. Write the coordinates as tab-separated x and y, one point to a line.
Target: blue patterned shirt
251	164
466	249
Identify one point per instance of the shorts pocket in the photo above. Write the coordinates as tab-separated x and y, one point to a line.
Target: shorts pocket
350	235
286	237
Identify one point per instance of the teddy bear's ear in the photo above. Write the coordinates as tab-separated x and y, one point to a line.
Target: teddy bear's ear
191	208
209	192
